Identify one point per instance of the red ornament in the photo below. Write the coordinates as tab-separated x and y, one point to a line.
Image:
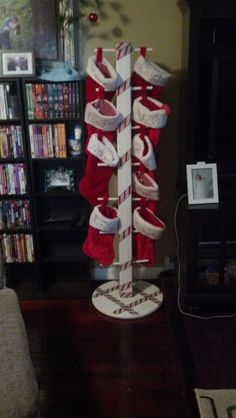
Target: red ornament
93	17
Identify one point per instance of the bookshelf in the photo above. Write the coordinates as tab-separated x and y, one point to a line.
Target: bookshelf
50	157
16	230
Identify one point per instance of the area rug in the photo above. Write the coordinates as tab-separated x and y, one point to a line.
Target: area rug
216	403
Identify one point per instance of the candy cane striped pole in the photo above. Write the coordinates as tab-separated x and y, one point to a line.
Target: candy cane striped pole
124	174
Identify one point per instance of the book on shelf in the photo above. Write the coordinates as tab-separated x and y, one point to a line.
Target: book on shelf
61	140
48	140
9	103
53	100
11	145
12	179
18	248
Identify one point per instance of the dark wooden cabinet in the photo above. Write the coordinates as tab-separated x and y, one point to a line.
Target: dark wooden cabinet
208	252
16	206
208	257
54	157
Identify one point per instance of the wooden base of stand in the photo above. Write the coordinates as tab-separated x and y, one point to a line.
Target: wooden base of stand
146	299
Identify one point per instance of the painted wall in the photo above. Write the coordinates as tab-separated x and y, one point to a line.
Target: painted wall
156	24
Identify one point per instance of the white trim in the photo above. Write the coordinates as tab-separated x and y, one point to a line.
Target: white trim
150	191
103	150
95	116
150	118
147	159
151	72
109	83
102	223
146	228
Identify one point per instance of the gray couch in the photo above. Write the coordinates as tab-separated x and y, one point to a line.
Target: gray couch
18	386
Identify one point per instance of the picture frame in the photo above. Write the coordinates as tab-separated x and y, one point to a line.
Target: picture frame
30	26
17	64
202	183
59	179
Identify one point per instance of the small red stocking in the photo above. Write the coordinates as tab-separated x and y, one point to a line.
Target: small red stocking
145	186
142	151
100	73
147	73
102	121
149	228
96	180
152	114
103	224
102	115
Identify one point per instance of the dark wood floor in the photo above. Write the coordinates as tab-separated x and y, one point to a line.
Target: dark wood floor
207	346
100	367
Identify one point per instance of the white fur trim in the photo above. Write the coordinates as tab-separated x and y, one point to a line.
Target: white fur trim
151	72
103	150
150	118
146	186
144	227
102	223
110	83
148	159
103	115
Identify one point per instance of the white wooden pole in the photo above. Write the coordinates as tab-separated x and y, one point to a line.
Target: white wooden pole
124	173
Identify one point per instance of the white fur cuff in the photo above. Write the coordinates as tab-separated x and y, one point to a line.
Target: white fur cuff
103	115
103	150
102	223
151	72
138	149
150	230
110	83
145	186
150	118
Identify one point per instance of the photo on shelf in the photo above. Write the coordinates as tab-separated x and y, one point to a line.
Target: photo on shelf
202	183
60	178
17	64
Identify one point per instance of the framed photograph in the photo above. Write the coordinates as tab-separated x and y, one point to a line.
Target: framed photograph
17	64
30	25
60	178
202	183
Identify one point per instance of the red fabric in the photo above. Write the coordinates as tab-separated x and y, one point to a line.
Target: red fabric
137	81
100	246
153	134
150	204
90	90
91	85
95	182
145	247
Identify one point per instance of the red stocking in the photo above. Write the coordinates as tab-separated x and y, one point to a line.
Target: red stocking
100	74
145	186
99	246
102	121
142	151
149	228
152	114
96	180
147	73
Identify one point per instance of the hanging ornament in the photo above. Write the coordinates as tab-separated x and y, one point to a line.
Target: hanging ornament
93	17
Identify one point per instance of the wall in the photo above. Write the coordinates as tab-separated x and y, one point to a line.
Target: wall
156	24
